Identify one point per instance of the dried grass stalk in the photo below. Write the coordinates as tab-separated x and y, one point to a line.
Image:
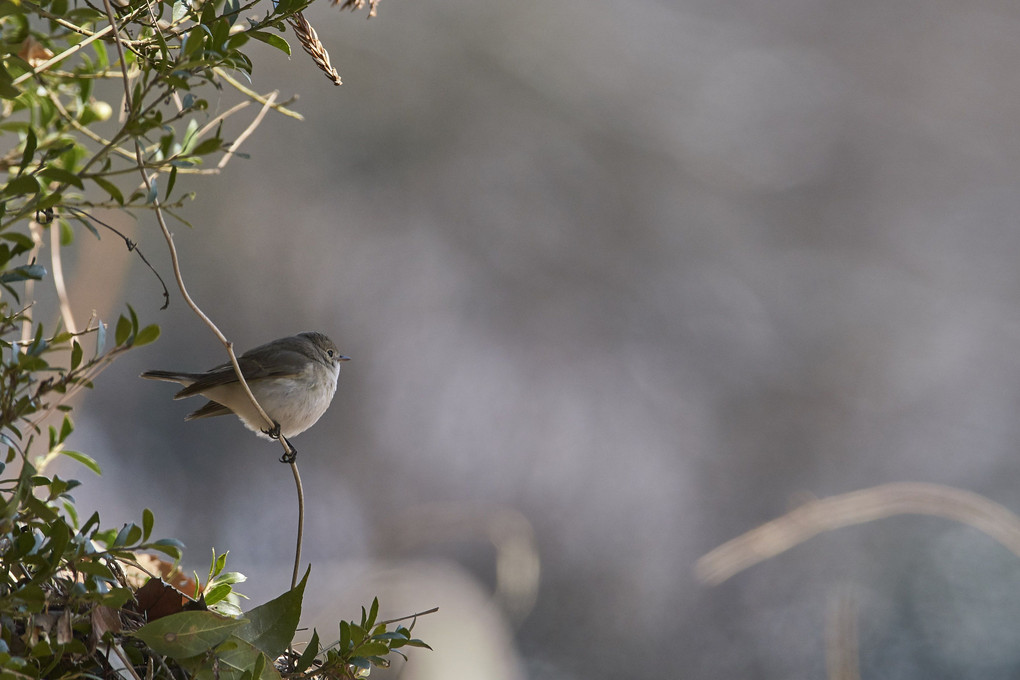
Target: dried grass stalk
842	653
313	46
857	507
354	5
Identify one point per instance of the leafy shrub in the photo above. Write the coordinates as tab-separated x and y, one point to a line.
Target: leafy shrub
78	599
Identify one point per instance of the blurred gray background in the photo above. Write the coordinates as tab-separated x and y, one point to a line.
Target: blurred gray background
620	281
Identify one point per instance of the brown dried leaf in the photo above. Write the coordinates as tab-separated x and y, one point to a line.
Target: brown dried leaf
34	52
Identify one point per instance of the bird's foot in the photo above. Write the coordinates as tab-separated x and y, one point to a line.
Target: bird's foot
291	454
272	432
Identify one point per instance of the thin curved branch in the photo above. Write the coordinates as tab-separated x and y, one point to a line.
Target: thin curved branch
131	246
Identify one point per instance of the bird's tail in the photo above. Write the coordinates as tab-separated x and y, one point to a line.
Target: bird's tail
171	376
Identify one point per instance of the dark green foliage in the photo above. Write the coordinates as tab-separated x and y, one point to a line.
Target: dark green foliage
70	590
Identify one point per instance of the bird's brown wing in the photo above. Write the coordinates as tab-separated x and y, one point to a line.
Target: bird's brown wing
253	368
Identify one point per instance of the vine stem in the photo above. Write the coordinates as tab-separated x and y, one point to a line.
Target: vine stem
300	523
289	452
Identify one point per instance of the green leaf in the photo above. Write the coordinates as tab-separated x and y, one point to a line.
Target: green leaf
187	634
129	535
30	146
66	428
195	41
23	273
414	642
271	626
271	39
96	569
76	354
23	242
146	335
234	659
372	649
311	651
7	88
217	593
85	460
167	546
180	9
345	637
21	186
373	613
55	174
109	187
147	521
66	233
100	49
171	181
134	320
59	537
123	331
207	146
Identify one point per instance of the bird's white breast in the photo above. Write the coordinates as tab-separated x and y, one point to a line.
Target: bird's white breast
295	403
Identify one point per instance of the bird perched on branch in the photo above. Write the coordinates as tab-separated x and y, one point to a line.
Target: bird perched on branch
293	379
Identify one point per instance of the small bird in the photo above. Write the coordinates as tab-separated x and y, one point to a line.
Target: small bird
294	379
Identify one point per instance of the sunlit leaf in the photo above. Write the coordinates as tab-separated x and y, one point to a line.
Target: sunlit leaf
271	625
55	174
186	634
123	331
85	460
271	39
167	546
146	335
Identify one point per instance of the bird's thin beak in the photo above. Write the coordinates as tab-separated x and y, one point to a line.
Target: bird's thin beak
343	358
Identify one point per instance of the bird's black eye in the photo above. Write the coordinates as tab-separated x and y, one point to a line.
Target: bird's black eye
330	353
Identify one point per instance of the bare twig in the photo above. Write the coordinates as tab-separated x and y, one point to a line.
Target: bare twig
74	27
131	246
252	94
216	121
409	616
58	279
85	130
26	325
125	660
247	131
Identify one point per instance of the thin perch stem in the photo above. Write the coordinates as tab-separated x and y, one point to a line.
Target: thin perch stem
289	452
175	262
300	523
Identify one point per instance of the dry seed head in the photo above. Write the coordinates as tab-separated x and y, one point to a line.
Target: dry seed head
356	5
309	40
